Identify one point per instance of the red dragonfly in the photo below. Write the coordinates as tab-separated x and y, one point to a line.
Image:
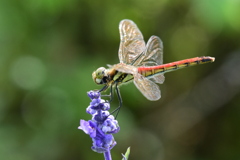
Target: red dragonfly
140	63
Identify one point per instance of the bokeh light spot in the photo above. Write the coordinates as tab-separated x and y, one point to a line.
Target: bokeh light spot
28	72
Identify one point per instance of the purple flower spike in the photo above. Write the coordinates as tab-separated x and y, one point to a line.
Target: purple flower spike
102	125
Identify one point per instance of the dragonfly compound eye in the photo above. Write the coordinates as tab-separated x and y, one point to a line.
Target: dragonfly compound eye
99	75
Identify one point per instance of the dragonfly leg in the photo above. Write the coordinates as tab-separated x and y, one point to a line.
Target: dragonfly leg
103	89
111	95
120	102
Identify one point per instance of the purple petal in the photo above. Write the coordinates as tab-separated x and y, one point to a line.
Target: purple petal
106	106
90	110
103	144
93	94
110	125
88	127
95	102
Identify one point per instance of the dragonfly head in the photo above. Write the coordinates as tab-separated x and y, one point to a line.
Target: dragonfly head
100	76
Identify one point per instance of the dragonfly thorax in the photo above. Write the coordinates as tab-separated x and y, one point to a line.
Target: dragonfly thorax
100	76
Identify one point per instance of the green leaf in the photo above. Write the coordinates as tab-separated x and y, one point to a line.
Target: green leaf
125	157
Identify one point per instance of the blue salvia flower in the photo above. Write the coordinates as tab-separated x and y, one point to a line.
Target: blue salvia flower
102	125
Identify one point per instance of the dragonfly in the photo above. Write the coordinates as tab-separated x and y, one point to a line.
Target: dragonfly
141	63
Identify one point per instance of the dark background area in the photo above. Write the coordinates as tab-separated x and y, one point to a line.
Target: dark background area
49	49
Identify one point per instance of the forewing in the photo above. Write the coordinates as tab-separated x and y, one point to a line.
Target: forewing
122	67
148	88
132	43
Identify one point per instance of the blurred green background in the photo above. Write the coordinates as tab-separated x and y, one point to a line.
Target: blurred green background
49	49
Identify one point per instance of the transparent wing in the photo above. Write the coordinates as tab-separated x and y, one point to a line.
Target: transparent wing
153	56
148	88
132	43
122	67
158	78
